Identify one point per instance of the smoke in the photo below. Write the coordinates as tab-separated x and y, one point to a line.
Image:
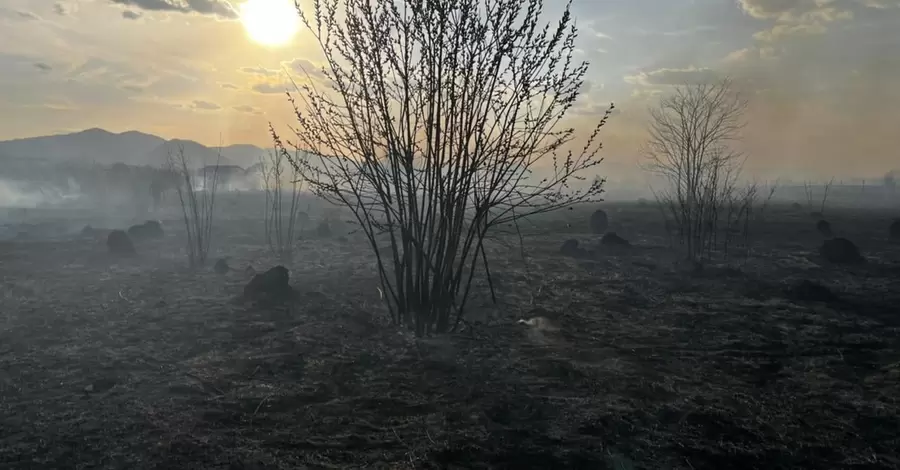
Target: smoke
30	194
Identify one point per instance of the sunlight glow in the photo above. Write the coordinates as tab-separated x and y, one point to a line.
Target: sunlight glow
270	22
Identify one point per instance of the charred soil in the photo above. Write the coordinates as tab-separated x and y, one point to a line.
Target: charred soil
138	363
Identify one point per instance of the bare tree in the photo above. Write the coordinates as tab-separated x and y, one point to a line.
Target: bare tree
689	145
283	185
197	200
432	128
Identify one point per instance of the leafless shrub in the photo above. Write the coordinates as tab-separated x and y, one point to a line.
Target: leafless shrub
283	187
689	145
197	200
435	119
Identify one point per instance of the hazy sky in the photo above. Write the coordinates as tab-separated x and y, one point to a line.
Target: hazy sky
823	76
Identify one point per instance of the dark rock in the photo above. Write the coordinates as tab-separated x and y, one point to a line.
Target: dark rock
611	239
841	251
824	228
809	291
895	230
118	243
221	266
599	221
273	284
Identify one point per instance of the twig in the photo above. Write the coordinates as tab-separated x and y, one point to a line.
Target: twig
261	404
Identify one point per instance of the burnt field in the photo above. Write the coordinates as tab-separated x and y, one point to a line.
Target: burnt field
636	361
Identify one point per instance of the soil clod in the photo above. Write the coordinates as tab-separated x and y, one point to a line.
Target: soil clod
841	251
824	228
570	248
148	230
809	291
612	239
599	221
272	285
119	243
221	266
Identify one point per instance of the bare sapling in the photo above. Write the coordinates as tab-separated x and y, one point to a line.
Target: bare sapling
690	141
436	122
808	189
283	188
825	188
744	212
197	199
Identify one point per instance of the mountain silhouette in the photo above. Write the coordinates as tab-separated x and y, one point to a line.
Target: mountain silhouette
99	146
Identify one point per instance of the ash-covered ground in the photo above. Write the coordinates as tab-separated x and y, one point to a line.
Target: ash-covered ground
636	361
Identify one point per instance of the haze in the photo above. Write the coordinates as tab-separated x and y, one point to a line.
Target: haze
824	76
436	264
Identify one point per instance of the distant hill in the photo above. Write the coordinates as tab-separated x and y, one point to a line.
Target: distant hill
132	148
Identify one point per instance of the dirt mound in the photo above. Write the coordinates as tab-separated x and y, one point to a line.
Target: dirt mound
824	228
841	251
599	221
148	230
895	230
272	285
809	291
119	243
612	239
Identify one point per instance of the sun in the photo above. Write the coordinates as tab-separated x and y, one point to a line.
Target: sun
270	22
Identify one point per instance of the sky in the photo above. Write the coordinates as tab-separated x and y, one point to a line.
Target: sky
822	76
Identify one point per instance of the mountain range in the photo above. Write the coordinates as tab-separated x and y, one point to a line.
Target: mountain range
133	148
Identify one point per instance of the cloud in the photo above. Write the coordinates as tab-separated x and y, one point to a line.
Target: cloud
218	8
259	71
673	76
130	15
43	67
303	67
269	88
205	105
797	17
27	15
62	9
247	109
228	86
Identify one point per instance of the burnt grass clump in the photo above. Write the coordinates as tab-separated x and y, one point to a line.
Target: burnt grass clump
143	364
